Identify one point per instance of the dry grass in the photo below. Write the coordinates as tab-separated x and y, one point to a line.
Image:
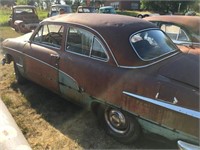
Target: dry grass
49	122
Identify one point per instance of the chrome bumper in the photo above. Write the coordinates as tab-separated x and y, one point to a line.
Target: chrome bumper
186	146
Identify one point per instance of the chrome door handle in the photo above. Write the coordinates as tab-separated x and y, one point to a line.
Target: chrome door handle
55	56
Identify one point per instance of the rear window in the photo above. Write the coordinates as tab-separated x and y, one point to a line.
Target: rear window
151	44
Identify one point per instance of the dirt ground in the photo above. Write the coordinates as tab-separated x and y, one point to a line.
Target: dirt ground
49	122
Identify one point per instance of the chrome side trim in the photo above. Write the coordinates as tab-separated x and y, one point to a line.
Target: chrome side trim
19	65
186	111
32	57
186	146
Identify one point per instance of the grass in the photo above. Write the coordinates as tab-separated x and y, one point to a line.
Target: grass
5	13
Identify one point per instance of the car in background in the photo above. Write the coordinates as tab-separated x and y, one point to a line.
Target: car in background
183	30
125	69
23	18
107	10
55	9
86	9
147	15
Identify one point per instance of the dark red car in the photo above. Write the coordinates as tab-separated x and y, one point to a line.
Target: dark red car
125	69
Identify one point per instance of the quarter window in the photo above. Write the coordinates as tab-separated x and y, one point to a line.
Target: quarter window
50	35
82	42
151	44
175	32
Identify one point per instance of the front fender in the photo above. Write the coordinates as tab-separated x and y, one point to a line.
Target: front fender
20	26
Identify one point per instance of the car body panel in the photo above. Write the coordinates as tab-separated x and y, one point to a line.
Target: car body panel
160	92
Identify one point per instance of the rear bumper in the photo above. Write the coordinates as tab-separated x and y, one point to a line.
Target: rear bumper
186	146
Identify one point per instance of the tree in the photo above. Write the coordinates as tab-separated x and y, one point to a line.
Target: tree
163	7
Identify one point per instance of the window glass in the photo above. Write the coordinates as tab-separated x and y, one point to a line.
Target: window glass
174	32
79	41
151	44
98	50
50	35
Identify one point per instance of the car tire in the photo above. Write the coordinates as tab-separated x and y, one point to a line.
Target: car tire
140	16
19	78
120	125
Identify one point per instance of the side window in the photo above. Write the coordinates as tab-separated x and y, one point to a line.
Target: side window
98	50
174	32
85	43
79	41
50	35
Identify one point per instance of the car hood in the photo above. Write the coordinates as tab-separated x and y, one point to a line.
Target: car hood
184	68
24	37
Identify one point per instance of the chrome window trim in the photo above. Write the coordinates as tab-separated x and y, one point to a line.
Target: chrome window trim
107	56
45	45
161	103
150	64
87	56
188	39
147	60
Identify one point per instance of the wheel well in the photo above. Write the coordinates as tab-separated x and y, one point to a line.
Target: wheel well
94	107
9	58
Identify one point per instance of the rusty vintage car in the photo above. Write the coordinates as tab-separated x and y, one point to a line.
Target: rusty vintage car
24	18
125	69
183	30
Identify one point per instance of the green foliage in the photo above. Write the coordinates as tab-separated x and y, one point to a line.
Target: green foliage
166	6
5	13
21	2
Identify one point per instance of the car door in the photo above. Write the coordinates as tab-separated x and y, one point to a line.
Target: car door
83	66
42	56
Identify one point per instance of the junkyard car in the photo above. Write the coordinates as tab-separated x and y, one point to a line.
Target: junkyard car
183	30
107	10
125	69
86	9
54	10
24	18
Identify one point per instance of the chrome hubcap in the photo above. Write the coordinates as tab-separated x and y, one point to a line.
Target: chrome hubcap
116	121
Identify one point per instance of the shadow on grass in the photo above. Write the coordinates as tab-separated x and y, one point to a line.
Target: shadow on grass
79	124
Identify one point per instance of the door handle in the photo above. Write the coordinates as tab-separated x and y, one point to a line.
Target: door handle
55	56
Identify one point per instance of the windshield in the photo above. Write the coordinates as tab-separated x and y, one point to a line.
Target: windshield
151	44
23	10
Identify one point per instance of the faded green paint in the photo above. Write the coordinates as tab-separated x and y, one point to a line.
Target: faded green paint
69	89
166	132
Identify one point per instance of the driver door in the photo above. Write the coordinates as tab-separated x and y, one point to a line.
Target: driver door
43	53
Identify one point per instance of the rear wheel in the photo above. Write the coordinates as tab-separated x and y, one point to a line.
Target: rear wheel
19	78
119	124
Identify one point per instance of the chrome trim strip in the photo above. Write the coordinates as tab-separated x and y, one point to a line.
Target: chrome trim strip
144	66
32	58
187	146
186	111
19	65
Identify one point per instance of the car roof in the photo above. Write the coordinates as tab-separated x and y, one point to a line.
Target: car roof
115	29
60	5
106	7
23	6
190	22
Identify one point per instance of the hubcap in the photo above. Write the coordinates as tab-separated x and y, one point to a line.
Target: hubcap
116	121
